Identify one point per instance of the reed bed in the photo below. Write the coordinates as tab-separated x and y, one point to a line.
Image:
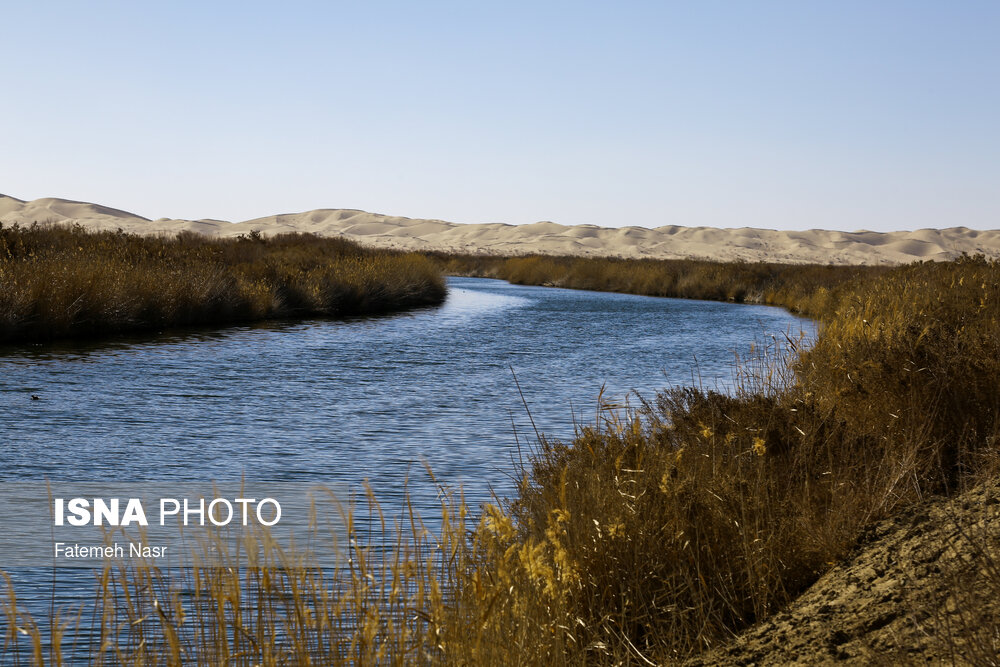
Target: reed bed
655	534
799	287
58	282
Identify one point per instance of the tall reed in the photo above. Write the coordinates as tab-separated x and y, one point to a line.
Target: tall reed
60	282
800	288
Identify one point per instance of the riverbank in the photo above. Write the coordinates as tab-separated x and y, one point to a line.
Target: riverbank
668	532
920	588
66	282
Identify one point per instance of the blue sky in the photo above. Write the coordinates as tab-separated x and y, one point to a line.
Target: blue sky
785	115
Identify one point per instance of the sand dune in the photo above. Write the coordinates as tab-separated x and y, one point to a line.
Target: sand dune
811	246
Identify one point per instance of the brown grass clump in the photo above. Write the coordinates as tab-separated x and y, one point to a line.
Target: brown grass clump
66	282
657	534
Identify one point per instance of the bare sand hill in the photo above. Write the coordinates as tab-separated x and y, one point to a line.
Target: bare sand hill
811	246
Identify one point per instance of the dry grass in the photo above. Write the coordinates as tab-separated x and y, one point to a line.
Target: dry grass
708	512
375	606
800	288
66	282
655	534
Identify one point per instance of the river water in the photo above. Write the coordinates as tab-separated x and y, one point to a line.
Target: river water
341	401
338	402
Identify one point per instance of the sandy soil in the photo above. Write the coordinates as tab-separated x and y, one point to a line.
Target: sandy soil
812	246
921	589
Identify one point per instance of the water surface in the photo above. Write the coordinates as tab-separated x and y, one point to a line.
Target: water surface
342	401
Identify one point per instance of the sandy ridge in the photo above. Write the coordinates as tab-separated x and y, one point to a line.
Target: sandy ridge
811	246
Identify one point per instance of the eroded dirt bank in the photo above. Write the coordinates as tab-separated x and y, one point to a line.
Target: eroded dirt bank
921	588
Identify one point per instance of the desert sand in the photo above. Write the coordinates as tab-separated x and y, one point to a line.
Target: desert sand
383	231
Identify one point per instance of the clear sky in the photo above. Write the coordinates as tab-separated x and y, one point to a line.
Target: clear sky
790	115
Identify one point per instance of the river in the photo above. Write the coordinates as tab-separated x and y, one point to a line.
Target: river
339	402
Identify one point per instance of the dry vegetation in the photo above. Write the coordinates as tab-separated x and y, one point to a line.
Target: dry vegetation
718	510
66	282
800	288
655	535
